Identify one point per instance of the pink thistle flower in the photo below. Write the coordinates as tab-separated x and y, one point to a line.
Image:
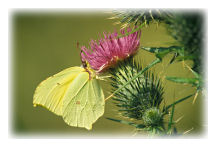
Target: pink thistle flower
109	50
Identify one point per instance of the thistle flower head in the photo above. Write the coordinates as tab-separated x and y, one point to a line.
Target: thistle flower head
109	50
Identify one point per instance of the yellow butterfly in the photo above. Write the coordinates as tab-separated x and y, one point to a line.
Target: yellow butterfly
74	94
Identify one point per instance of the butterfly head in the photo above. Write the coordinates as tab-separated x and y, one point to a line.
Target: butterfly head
86	66
88	69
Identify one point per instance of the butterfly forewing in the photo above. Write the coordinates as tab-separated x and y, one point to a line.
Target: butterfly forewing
51	91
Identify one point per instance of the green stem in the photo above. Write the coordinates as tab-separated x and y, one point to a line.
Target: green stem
171	119
140	73
176	102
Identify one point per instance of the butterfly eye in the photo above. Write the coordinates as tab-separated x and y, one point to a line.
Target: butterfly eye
84	64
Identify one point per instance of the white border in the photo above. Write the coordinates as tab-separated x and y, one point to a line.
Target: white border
107	4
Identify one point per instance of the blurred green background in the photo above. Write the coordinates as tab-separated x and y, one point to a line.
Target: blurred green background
44	43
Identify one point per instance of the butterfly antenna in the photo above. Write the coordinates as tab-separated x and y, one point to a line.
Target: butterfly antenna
83	62
77	47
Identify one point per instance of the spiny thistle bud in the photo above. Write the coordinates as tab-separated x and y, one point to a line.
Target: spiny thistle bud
152	117
139	17
187	29
141	94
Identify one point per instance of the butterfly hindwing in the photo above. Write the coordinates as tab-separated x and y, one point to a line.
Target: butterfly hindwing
86	105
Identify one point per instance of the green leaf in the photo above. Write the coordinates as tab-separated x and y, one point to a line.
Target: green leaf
127	123
162	49
193	81
160	52
199	84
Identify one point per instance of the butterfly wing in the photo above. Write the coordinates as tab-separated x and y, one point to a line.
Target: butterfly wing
51	91
84	102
